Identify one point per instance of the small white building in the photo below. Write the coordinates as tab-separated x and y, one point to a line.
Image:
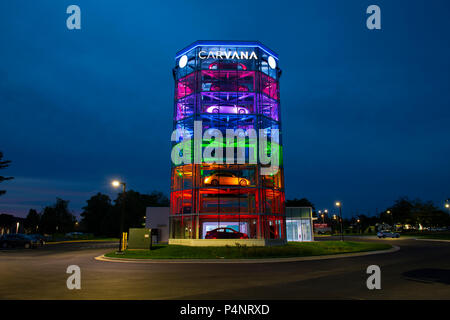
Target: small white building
157	218
299	224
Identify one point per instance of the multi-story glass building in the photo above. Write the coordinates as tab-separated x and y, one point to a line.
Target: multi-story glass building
220	86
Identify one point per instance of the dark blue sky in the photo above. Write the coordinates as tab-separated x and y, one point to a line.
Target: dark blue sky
365	113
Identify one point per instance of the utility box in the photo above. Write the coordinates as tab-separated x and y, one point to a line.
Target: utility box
139	238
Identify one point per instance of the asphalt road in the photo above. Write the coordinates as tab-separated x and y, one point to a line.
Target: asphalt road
420	270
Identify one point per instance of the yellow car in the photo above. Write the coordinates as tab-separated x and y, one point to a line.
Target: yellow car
226	178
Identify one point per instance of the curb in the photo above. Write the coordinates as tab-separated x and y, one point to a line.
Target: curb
76	241
274	260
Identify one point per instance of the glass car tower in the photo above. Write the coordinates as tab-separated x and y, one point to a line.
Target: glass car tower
226	85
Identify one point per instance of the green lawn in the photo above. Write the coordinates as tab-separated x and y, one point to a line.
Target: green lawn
442	236
292	249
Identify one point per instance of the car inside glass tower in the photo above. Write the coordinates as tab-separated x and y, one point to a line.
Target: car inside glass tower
227	85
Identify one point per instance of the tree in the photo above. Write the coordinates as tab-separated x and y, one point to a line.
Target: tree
135	206
32	221
400	212
415	212
97	208
4	164
426	214
57	218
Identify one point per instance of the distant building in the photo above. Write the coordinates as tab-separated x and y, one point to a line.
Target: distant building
11	224
321	228
299	224
157	218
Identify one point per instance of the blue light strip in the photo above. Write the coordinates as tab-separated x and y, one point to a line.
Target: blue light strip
244	44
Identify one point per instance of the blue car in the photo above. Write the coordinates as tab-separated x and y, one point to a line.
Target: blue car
18	240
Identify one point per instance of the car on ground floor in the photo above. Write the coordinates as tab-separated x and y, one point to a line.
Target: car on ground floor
225	233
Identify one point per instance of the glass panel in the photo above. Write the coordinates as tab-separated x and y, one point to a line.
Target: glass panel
185	86
227	200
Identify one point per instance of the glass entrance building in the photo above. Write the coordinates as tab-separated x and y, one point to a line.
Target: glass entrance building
223	86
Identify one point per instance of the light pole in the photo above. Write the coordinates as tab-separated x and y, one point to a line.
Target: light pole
392	218
339	205
116	184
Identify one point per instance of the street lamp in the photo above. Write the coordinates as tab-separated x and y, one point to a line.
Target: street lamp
339	205
116	184
392	217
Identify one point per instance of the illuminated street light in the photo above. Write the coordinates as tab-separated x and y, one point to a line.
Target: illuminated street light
392	217
116	184
339	204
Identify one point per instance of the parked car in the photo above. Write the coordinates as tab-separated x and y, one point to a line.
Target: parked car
226	178
387	234
18	240
225	233
41	240
74	234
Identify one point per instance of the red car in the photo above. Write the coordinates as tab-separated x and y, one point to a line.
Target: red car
225	233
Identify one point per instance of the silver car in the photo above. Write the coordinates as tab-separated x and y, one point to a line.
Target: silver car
387	234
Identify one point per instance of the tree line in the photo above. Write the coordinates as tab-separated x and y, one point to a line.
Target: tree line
101	215
404	211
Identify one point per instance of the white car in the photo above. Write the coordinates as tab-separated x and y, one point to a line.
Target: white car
227	109
387	234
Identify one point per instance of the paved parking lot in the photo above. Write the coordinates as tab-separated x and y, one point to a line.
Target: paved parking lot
420	270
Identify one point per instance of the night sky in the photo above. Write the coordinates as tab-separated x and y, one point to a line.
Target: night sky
365	114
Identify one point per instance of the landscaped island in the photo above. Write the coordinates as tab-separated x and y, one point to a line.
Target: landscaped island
292	249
